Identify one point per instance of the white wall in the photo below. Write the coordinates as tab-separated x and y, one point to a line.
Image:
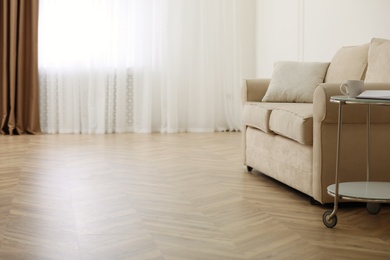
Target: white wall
247	29
313	30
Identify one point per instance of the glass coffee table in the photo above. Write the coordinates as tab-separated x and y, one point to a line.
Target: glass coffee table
373	193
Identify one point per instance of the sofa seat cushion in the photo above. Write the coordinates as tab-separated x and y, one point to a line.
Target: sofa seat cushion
294	121
257	114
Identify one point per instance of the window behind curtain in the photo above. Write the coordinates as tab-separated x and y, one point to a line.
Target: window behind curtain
113	66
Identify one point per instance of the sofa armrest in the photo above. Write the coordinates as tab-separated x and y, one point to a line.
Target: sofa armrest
327	112
323	109
254	89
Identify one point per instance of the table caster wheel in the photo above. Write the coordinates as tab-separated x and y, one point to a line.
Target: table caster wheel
329	222
249	168
373	208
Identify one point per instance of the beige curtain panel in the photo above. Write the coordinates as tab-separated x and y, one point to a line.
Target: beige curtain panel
19	92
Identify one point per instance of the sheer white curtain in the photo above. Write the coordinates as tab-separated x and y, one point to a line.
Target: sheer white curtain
111	66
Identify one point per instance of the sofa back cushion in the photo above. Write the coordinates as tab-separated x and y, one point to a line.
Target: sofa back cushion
350	62
378	69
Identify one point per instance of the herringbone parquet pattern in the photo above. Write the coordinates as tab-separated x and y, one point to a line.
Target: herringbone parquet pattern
175	196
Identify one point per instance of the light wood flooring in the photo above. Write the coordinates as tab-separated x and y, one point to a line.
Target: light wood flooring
164	196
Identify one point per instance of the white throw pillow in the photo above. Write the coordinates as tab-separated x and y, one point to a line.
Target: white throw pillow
295	81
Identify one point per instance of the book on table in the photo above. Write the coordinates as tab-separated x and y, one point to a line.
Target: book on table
375	94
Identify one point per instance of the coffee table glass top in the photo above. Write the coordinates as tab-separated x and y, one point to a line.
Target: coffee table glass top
348	100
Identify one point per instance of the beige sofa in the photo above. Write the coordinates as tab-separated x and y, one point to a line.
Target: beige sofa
293	140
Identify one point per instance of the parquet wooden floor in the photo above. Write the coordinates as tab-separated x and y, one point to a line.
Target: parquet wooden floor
164	196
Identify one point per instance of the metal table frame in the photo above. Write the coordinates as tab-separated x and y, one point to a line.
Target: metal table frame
375	192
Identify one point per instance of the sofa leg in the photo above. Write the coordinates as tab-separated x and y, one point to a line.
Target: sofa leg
314	202
249	168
